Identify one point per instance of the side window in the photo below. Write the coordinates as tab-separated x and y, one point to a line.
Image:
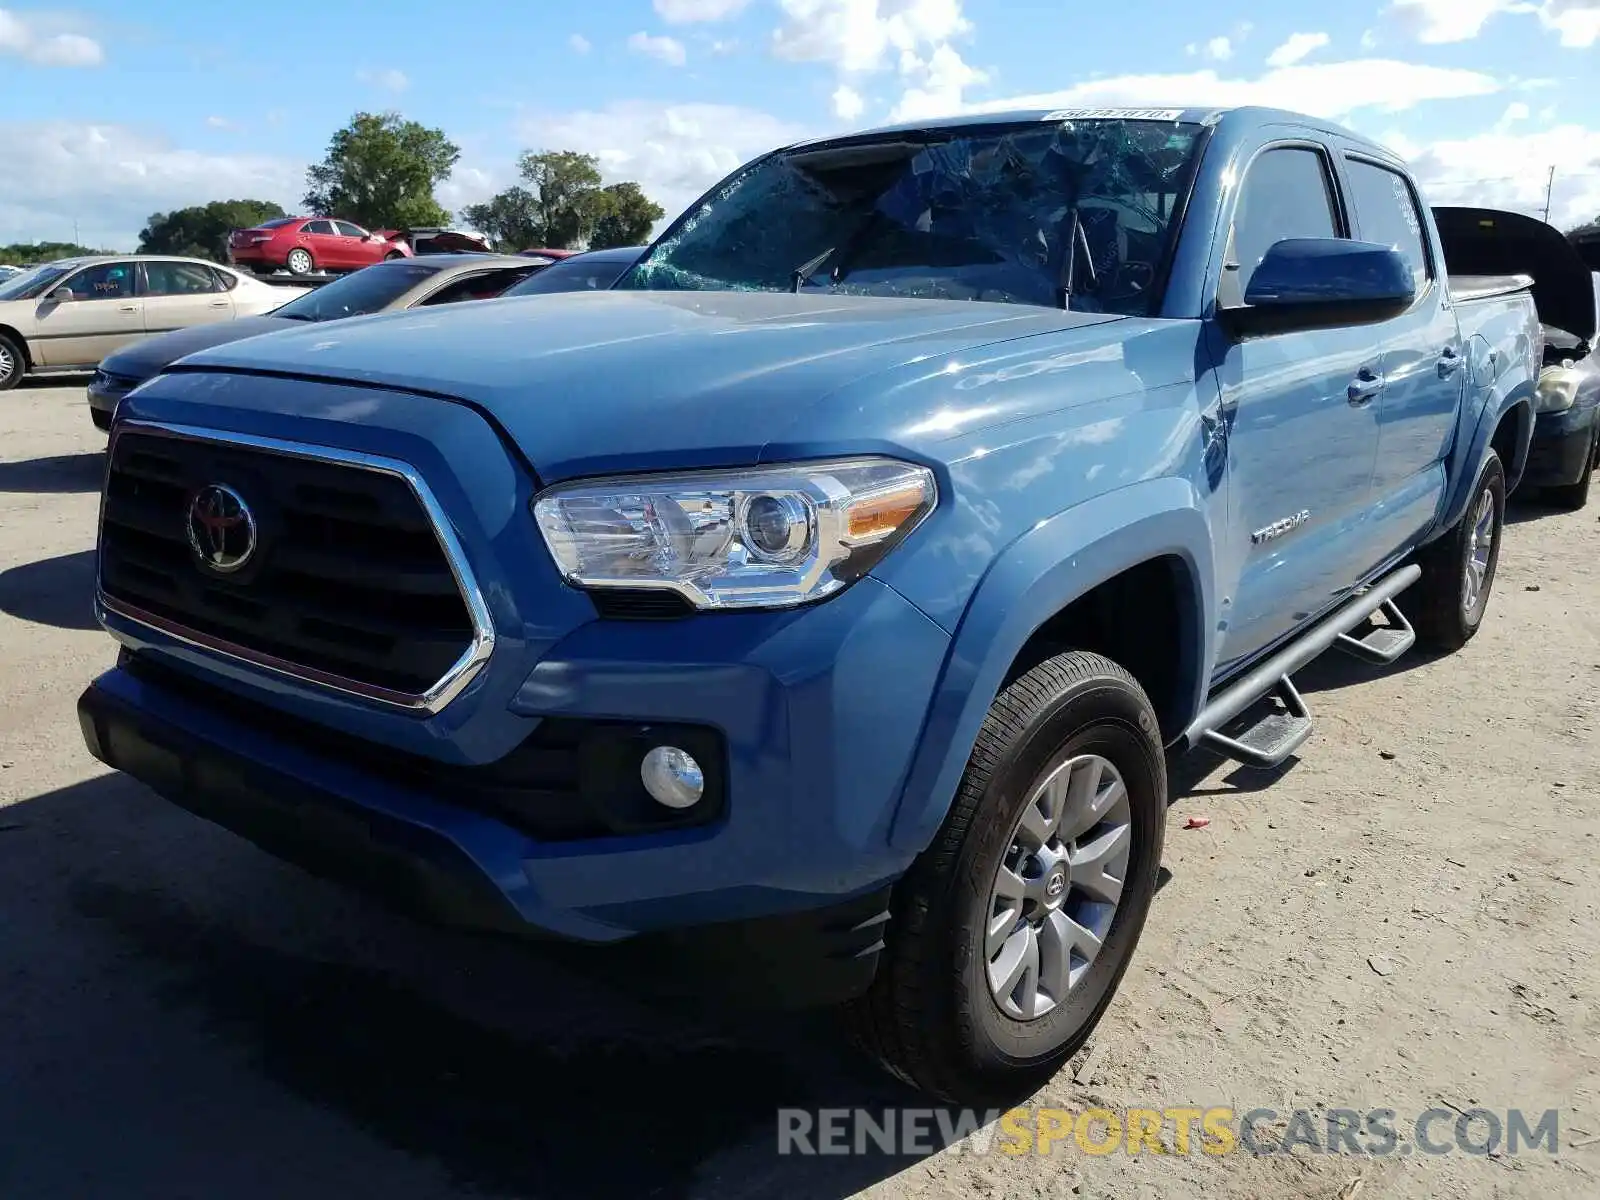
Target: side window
108	281
349	230
319	227
178	279
484	286
1286	194
226	280
1386	213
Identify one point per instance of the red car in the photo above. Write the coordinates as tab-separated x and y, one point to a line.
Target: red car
303	245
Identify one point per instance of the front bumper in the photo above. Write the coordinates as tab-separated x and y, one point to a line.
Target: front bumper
1562	445
104	396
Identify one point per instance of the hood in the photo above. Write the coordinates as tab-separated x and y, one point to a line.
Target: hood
1487	241
585	381
153	355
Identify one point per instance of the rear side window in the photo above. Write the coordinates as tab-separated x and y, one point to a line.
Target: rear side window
318	227
1387	213
178	279
1287	193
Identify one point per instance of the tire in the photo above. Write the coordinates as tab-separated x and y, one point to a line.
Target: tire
1442	606
299	261
931	1016
1574	496
392	255
13	365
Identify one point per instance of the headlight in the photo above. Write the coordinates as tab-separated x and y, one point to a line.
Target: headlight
1558	390
768	537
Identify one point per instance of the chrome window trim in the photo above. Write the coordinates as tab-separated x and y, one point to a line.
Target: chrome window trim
455	680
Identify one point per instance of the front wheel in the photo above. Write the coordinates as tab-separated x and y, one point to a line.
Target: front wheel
1012	930
300	262
1448	603
12	365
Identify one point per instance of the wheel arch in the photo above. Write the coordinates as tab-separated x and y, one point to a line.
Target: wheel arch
1067	583
14	336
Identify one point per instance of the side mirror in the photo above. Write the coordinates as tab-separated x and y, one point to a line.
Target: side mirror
1311	283
62	295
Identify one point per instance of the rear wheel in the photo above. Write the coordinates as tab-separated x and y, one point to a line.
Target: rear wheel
300	261
12	365
1448	603
1012	930
392	255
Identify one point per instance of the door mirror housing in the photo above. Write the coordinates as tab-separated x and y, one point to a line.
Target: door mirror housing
1311	283
62	295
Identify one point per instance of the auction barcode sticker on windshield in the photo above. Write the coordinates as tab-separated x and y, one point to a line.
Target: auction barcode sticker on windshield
1114	114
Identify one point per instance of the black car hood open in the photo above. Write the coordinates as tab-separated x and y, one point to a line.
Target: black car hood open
1488	241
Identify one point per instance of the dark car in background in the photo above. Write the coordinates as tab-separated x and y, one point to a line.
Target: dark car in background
1566	436
593	270
384	287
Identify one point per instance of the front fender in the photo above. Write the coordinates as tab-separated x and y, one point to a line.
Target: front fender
1056	562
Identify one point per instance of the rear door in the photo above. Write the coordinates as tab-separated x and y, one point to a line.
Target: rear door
1301	409
1423	357
178	295
325	244
103	315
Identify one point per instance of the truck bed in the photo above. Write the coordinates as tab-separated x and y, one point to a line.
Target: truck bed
1467	288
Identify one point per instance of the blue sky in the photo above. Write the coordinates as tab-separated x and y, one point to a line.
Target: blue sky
110	111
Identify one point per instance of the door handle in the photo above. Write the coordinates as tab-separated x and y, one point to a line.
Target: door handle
219	304
1365	387
129	308
1449	362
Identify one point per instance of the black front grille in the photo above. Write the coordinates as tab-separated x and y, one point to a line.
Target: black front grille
347	579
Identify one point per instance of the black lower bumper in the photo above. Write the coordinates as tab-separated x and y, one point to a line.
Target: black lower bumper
1562	446
811	958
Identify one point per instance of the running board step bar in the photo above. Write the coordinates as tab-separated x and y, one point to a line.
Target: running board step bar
1382	643
1279	734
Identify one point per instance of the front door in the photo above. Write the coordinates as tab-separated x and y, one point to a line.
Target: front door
1303	427
178	295
103	315
1424	361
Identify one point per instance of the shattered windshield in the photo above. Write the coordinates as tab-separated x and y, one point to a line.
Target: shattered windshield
1075	214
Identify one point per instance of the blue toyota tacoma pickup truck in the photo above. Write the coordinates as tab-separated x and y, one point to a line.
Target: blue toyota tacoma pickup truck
814	612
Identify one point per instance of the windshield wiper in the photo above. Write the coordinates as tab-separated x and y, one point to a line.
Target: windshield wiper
805	270
1076	239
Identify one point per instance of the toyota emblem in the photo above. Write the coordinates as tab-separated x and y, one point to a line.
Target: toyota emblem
222	529
1056	884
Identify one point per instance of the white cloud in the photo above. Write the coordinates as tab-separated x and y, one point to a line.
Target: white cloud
682	12
666	49
1369	39
1296	48
1219	49
1515	111
55	173
390	79
41	39
1334	89
848	103
675	152
1519	162
219	123
580	44
1576	23
914	38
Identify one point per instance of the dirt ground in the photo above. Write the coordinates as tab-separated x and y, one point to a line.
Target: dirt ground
1406	919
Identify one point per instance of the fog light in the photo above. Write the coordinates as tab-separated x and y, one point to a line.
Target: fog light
672	777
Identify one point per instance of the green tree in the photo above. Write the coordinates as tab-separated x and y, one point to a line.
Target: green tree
510	219
566	194
626	218
25	254
380	172
202	231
